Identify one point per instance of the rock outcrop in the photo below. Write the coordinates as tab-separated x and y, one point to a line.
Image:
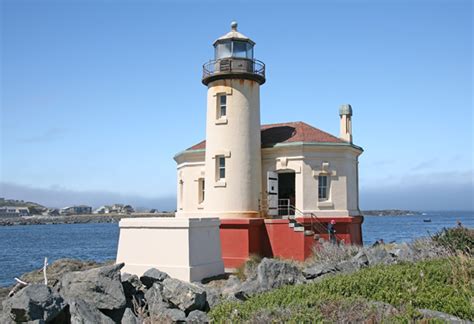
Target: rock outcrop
34	302
85	293
185	296
100	287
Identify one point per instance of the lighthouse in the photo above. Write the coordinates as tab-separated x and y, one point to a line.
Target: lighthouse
233	144
274	188
249	189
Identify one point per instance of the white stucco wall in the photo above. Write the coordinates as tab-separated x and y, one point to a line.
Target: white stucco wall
190	169
237	137
145	243
305	160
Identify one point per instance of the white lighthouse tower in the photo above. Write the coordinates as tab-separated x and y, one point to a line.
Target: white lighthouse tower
233	146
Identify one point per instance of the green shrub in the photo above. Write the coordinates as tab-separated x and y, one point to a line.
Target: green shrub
456	239
433	284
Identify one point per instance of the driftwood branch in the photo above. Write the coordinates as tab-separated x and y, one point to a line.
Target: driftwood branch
20	284
44	271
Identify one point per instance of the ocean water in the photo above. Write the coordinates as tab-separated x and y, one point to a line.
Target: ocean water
23	248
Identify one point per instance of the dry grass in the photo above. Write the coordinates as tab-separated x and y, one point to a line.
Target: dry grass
247	269
462	266
328	253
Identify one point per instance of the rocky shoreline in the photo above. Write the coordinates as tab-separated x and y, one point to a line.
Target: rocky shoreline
115	218
390	212
75	219
87	292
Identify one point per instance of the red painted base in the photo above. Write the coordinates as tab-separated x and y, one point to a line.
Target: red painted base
241	238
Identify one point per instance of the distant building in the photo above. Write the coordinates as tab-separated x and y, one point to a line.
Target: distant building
12	211
76	210
125	209
51	212
102	210
115	209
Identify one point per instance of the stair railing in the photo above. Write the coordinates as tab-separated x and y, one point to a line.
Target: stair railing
316	224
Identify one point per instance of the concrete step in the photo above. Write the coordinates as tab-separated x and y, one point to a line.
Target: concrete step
308	233
298	229
291	224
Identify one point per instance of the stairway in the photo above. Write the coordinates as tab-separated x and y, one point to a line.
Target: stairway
297	227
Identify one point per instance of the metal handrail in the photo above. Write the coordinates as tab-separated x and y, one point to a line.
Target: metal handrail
233	64
315	222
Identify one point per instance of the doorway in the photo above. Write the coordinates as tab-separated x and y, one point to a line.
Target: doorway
286	193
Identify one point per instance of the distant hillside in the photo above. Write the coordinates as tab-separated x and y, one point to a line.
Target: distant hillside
33	207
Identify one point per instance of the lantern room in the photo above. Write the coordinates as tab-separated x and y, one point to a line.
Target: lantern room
234	59
233	44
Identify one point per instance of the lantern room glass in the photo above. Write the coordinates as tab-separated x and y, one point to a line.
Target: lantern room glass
233	48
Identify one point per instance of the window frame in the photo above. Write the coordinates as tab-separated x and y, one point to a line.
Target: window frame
324	187
220	167
201	190
221	106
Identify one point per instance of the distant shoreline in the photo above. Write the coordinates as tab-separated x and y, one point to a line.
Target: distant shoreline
390	212
115	218
75	219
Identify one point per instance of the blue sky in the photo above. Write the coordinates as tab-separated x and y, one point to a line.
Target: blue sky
98	96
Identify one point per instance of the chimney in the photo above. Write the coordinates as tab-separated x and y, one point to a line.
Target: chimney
345	112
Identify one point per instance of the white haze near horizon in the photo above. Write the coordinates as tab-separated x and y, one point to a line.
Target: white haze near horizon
413	196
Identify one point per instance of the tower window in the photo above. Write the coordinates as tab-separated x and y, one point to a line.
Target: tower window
222	107
323	187
202	191
220	167
180	201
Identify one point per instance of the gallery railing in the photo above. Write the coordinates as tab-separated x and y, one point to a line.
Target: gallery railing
233	65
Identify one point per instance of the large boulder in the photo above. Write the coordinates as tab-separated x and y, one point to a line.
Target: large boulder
440	316
360	259
273	273
213	295
84	313
171	315
154	299
403	252
57	269
246	290
100	287
231	285
197	316
346	267
134	290
132	285
129	317
185	296
34	302
377	255
318	270
153	275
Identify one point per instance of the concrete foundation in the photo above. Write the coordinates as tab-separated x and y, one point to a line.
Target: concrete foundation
188	249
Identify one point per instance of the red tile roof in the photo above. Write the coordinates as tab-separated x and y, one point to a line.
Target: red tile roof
288	133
